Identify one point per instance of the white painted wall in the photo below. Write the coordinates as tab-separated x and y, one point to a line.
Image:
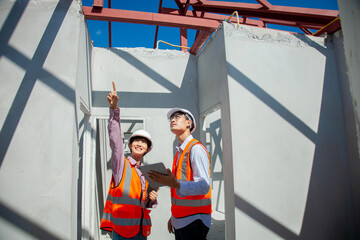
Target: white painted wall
290	164
350	19
213	142
266	90
40	54
288	114
214	93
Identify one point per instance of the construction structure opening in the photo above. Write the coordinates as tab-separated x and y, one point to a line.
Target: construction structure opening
213	138
283	135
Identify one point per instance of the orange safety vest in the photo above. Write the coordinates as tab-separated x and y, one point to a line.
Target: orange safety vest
189	205
124	210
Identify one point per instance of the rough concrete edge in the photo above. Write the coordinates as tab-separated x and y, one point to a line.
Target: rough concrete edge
145	52
245	32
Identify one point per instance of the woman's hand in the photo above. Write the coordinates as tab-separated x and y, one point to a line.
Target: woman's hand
153	195
112	97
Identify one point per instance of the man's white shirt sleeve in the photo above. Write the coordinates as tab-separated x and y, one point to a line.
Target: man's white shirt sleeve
200	166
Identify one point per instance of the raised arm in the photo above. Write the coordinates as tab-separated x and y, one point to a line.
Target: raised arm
115	136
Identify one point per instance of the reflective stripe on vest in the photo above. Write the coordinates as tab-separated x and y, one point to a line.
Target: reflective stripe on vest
123	200
190	202
124	209
189	205
126	221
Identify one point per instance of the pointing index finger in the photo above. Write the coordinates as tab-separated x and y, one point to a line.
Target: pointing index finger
114	86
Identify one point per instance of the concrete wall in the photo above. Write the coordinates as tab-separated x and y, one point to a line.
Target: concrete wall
213	142
288	113
41	59
290	165
286	110
149	83
214	93
350	19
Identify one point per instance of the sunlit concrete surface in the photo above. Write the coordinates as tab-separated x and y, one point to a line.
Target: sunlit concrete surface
277	111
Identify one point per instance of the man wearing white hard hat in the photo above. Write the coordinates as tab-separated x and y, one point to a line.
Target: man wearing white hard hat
189	180
126	212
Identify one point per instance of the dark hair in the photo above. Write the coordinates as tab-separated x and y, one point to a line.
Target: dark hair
139	137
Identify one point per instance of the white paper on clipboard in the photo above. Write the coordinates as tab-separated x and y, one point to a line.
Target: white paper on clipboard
156	167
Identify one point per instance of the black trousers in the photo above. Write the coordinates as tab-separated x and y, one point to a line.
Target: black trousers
194	231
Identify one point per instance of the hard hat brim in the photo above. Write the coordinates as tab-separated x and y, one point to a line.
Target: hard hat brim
174	110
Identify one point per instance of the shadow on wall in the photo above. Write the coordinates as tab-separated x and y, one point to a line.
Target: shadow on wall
329	211
216	155
329	207
34	71
217	231
33	67
148	100
25	224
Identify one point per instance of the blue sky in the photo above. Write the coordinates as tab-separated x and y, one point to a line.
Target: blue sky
139	35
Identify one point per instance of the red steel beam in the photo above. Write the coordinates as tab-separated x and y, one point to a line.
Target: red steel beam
216	17
330	28
156	35
109	27
127	16
180	4
306	31
183	31
291	24
295	14
110	43
199	42
157	27
183	39
264	3
98	3
190	1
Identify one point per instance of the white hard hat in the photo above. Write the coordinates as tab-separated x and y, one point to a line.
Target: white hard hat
186	112
144	134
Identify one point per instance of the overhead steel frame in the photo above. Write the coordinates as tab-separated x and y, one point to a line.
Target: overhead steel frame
207	15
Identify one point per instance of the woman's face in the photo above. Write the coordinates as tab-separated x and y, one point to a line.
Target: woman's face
139	147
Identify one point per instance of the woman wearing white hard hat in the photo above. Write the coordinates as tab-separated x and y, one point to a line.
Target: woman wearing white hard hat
126	212
139	135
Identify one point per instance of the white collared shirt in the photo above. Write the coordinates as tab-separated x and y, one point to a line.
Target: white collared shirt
200	165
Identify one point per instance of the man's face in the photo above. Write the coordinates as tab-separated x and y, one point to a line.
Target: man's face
138	147
179	123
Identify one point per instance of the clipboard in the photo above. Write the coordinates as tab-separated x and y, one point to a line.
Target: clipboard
156	167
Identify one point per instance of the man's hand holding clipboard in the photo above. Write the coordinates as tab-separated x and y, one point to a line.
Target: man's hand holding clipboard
164	179
157	168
